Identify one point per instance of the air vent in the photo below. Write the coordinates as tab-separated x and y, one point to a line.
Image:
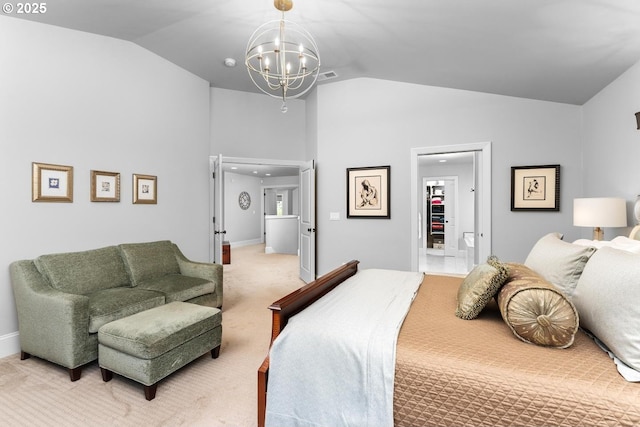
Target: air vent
327	75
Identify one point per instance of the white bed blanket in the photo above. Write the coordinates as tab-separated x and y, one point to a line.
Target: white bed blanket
333	365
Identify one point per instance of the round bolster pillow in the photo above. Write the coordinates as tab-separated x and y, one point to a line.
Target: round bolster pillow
535	311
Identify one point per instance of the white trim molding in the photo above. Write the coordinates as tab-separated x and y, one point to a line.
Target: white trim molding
9	344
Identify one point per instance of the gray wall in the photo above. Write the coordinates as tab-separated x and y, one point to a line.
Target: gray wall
245	226
92	102
251	125
356	129
242	225
612	144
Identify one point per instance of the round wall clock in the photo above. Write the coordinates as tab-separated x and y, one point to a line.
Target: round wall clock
244	200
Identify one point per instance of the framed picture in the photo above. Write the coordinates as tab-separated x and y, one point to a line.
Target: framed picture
145	189
368	192
535	188
105	186
51	183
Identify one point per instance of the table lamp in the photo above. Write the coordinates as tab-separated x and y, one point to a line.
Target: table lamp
599	212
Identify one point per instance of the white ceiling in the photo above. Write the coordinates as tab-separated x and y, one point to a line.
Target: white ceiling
556	50
261	170
445	159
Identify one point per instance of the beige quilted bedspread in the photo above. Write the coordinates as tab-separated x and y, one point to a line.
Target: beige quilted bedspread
454	372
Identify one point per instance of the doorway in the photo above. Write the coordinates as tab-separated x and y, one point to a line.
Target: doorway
256	174
443	222
468	203
280	224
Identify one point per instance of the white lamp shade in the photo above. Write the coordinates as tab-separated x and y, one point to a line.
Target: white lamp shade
600	212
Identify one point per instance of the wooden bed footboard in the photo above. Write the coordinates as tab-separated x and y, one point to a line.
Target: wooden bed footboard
291	305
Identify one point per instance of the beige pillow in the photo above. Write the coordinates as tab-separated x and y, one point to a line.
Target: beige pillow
560	262
480	285
535	311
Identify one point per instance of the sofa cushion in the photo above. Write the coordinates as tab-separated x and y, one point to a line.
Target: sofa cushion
145	261
535	311
480	285
112	304
560	262
84	272
607	299
176	287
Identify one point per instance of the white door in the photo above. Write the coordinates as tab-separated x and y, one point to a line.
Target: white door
307	227
450	216
217	196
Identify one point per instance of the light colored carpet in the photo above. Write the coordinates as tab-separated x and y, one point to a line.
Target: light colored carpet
207	392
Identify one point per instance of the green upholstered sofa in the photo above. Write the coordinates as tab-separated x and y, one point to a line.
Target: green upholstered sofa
63	299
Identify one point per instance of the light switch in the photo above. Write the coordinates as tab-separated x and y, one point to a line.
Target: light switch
334	216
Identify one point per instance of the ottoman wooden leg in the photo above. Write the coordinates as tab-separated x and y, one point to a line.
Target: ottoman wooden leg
150	391
215	352
107	375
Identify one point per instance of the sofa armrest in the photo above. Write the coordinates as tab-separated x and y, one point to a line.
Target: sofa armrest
202	270
52	325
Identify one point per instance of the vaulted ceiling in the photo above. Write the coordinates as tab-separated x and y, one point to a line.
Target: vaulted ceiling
556	50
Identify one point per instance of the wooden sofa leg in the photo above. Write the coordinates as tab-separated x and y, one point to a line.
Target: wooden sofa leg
150	391
74	373
107	375
215	352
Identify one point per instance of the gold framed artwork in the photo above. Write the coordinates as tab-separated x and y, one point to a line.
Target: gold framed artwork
51	183
105	186
145	189
535	188
369	192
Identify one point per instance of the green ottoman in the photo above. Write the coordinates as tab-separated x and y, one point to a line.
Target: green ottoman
150	345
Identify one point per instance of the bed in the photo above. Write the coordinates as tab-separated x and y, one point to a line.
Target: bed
455	372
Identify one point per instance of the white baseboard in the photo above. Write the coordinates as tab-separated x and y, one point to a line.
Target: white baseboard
9	344
245	243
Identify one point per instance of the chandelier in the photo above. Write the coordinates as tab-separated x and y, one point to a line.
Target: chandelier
282	58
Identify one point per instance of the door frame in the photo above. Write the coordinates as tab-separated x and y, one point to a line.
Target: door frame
216	210
300	164
307	222
482	193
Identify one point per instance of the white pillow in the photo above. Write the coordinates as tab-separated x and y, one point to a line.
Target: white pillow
626	244
621	242
595	243
559	262
607	299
